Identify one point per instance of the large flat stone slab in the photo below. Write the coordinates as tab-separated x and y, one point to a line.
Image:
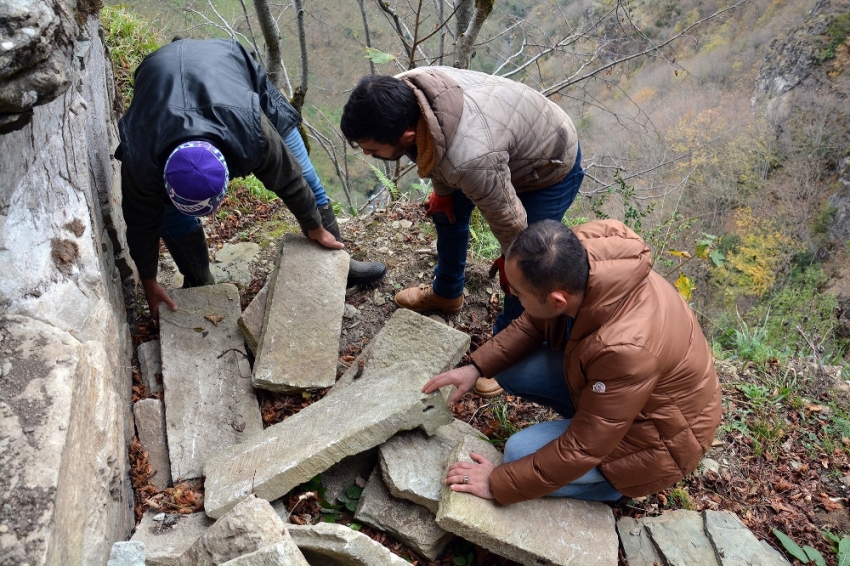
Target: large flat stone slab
291	452
337	545
281	554
300	339
251	319
407	522
557	531
150	424
735	544
671	529
639	548
408	336
413	464
209	400
252	524
169	537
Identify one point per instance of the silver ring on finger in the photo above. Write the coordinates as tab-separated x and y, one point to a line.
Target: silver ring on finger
465	479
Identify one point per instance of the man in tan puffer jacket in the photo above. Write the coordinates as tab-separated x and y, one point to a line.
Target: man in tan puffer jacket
611	346
484	141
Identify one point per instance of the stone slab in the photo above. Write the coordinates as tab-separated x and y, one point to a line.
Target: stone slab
337	545
638	547
558	531
281	554
671	529
150	424
408	336
735	544
209	400
251	320
252	524
413	464
169	537
293	451
127	553
407	522
150	364
232	262
338	478
300	340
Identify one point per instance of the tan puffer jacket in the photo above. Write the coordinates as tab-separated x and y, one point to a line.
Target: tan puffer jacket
640	374
493	138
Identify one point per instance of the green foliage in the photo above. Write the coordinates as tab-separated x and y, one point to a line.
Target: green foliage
838	31
378	57
749	343
791	547
254	187
387	182
350	498
129	39
483	244
823	218
680	499
633	212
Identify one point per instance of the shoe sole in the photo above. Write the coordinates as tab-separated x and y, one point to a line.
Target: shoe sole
488	394
446	311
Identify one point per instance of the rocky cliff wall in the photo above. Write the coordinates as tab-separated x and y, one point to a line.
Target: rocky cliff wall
65	350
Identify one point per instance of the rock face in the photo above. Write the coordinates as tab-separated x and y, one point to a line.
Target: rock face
60	285
291	452
547	531
298	346
208	396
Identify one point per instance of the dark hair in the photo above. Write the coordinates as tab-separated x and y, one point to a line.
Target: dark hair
380	108
550	257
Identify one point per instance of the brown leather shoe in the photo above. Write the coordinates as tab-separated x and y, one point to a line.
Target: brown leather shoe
488	387
423	298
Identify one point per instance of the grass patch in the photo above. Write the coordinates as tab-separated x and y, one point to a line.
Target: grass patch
129	39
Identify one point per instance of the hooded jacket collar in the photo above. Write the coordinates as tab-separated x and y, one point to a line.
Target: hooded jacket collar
441	100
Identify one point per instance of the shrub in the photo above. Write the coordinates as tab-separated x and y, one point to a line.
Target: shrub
129	39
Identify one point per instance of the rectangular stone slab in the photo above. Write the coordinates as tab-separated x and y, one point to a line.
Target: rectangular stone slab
251	320
209	401
150	425
408	336
303	319
670	529
558	531
291	452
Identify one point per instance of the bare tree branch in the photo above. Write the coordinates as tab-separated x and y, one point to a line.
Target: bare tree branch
271	34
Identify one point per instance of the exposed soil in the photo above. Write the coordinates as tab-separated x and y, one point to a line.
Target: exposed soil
782	456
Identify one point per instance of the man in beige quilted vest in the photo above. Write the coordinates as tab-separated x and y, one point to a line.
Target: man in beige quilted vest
613	348
483	141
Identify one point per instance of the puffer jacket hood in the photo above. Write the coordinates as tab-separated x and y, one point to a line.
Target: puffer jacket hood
639	371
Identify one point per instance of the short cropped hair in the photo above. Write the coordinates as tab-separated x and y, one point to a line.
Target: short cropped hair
380	108
551	258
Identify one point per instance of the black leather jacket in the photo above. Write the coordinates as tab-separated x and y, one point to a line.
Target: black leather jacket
199	89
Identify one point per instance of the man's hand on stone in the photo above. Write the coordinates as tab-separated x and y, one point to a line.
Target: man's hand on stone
463	378
325	238
156	295
471	477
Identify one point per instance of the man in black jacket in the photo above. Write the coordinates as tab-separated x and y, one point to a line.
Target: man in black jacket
204	112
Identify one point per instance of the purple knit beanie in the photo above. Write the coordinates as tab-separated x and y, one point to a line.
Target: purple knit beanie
196	178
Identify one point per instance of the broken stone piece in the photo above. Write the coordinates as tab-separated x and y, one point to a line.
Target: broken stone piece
251	319
150	364
639	548
127	553
669	530
169	537
735	544
281	554
150	424
209	400
291	452
301	327
562	532
337	545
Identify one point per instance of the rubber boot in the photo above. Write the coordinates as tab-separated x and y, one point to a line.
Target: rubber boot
359	272
192	257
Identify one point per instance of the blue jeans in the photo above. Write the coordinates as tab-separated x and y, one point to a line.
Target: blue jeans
540	378
175	223
453	239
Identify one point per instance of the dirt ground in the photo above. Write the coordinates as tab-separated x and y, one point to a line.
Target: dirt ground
780	466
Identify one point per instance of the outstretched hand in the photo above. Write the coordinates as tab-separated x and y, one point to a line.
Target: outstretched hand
463	378
156	295
325	238
471	477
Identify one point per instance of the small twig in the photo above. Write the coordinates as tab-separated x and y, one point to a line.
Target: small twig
231	350
812	346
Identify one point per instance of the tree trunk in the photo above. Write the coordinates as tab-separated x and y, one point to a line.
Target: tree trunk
271	34
466	38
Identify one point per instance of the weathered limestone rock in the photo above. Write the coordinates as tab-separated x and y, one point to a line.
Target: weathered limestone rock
407	522
408	336
232	261
127	554
669	530
734	544
251	319
338	478
337	545
208	396
169	537
413	465
60	232
251	525
150	364
280	554
303	318
639	548
150	424
557	531
291	452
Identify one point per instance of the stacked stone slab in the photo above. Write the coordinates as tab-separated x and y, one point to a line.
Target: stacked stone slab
303	318
337	545
209	400
713	538
291	452
557	531
150	424
251	319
